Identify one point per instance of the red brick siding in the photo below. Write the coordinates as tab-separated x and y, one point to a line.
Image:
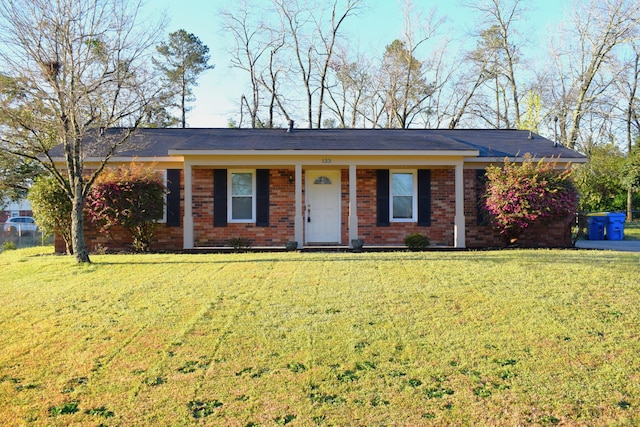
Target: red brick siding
442	212
119	239
281	213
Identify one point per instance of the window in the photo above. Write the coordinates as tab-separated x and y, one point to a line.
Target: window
322	180
403	198
242	196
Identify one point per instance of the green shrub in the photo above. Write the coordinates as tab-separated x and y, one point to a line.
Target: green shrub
52	209
520	195
8	245
416	242
131	197
239	244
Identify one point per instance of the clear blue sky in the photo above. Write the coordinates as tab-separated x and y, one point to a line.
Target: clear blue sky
376	26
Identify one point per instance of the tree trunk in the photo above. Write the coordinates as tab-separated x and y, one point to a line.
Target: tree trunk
629	120
183	102
80	251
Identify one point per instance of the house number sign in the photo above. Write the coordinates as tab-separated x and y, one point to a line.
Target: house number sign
326	161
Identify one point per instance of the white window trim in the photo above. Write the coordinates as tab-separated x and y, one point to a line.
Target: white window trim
230	196
414	183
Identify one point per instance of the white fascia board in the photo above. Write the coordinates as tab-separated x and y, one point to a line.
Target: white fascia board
320	163
329	161
324	153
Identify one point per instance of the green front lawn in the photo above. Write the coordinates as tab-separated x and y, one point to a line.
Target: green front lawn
632	230
510	337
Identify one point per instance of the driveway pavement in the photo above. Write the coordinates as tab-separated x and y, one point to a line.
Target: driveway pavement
612	245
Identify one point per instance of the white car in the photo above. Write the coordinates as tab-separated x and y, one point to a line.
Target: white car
20	225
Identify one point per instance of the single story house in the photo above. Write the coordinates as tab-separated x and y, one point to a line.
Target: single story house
328	187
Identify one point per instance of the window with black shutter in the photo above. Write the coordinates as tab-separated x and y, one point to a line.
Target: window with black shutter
424	197
262	197
220	198
173	197
382	197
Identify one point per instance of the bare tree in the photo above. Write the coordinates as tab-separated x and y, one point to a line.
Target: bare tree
404	78
329	38
491	103
312	38
462	94
270	79
406	87
350	88
441	67
501	17
598	28
628	86
251	41
79	66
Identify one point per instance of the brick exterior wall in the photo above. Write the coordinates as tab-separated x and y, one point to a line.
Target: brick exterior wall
282	214
166	238
440	232
556	235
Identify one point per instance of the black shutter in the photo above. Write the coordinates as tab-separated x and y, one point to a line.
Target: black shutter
424	197
262	197
482	217
219	197
382	197
173	198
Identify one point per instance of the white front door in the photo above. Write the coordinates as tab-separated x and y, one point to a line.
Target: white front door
323	206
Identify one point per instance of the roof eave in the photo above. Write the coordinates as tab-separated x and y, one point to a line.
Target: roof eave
289	153
124	159
519	159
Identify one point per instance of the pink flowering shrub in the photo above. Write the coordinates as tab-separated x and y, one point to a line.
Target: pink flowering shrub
519	196
131	197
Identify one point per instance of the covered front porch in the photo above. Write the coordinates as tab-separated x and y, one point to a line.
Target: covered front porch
323	200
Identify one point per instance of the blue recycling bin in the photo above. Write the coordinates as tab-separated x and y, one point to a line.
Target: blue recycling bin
596	226
615	226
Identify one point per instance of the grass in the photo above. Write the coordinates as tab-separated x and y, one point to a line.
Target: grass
512	337
632	230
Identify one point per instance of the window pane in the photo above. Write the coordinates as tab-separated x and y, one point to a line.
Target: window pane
241	184
403	207
241	208
402	184
322	180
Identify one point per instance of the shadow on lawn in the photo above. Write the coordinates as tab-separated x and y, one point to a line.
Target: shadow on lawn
543	256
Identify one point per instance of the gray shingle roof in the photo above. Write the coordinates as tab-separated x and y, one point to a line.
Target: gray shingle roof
154	142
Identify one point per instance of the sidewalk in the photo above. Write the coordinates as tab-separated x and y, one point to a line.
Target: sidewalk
612	245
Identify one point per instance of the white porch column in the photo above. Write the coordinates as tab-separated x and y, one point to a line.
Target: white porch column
298	224
188	208
353	204
459	227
